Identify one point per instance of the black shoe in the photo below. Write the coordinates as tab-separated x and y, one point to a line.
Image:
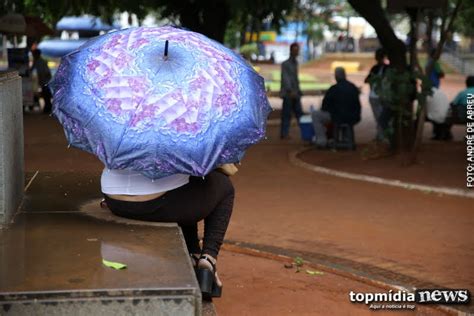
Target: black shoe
207	281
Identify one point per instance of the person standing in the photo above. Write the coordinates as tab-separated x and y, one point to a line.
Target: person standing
436	72
44	76
374	99
290	91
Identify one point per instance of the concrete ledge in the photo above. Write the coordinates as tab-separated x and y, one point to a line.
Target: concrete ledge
51	257
11	145
93	209
94	303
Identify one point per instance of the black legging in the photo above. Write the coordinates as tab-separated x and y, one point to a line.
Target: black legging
210	198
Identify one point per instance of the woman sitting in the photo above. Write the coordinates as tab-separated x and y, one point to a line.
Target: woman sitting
183	199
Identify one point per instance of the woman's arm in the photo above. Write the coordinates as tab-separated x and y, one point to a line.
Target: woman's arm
228	169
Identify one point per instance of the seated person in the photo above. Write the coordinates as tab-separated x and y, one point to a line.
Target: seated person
437	108
459	104
185	200
443	115
341	105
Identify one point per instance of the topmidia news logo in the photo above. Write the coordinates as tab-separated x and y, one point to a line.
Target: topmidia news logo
407	300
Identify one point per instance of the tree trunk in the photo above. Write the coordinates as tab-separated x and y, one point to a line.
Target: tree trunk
373	13
422	113
429	32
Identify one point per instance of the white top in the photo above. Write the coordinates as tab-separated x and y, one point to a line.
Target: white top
437	106
130	182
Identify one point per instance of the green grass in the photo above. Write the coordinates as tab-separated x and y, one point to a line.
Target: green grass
423	59
276	76
305	86
307	82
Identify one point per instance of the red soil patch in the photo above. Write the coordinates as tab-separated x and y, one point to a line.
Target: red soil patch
439	164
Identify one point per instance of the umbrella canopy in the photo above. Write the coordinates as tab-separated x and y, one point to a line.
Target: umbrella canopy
12	24
160	101
24	25
36	27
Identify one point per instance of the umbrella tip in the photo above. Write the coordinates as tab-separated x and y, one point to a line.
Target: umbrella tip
166	49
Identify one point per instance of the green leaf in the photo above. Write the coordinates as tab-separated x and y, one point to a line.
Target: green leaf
298	261
114	265
311	272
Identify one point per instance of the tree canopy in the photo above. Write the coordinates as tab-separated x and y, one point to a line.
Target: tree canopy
210	17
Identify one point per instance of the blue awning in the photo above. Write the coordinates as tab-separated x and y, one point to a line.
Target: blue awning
83	23
58	47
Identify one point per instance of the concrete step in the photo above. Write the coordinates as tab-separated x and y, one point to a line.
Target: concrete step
51	257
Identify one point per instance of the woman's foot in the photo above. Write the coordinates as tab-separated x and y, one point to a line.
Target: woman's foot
195	259
209	282
209	262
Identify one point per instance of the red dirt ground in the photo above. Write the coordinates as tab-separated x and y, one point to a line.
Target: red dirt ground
439	164
259	286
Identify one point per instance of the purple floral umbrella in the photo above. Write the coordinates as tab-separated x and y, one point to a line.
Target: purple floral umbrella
160	101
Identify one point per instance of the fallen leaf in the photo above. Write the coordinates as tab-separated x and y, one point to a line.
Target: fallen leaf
311	272
114	265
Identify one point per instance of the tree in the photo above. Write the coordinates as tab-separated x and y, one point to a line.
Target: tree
447	25
209	17
401	86
402	79
317	16
464	23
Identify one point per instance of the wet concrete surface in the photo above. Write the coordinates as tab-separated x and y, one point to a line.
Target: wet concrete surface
63	252
60	191
53	252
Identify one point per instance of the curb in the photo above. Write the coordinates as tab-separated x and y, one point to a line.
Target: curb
293	156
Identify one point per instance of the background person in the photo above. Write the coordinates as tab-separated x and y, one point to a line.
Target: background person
44	76
436	72
290	91
437	107
374	99
341	105
459	104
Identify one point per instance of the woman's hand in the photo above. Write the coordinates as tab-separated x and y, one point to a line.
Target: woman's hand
228	169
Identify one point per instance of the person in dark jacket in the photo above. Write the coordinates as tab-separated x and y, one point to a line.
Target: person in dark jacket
341	105
44	76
